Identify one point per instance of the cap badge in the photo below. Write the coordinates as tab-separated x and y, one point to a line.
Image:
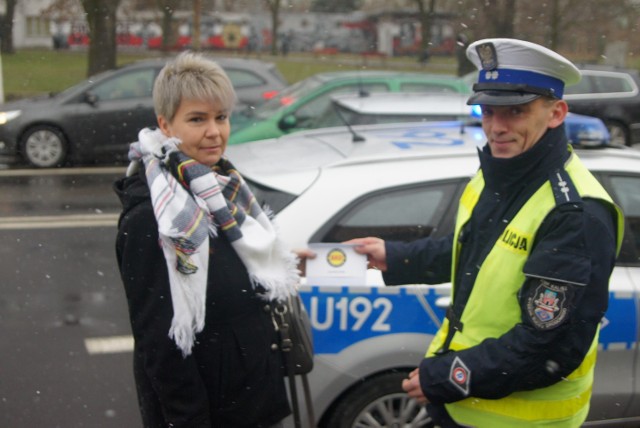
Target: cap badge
488	57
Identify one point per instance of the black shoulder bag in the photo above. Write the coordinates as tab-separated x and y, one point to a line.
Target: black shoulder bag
293	326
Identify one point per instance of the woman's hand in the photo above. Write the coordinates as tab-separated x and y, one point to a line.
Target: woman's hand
303	254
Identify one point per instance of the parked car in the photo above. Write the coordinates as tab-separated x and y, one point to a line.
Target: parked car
396	107
612	95
300	106
99	117
367	337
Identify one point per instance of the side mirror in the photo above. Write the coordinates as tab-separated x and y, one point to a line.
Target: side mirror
91	98
288	122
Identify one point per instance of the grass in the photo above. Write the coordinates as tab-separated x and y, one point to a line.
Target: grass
299	66
32	72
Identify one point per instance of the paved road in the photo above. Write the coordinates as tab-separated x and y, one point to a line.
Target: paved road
65	353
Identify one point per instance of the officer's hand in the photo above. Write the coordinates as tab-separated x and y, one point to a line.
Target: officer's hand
374	250
411	386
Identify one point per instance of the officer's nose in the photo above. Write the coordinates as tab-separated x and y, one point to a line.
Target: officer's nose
499	123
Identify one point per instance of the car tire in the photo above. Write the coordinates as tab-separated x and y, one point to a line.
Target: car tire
379	402
44	146
619	134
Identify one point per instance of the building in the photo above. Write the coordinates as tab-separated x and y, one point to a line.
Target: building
30	27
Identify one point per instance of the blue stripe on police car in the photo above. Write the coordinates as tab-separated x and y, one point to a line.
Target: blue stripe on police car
343	316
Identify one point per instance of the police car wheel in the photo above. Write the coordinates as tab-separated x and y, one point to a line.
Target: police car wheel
379	402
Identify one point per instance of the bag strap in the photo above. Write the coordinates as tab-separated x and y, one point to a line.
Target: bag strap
307	398
286	346
294	396
294	399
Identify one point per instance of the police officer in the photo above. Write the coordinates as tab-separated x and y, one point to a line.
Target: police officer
535	242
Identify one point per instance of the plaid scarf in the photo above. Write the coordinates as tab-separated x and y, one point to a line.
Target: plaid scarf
193	202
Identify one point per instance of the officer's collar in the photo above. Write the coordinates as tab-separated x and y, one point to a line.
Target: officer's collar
550	152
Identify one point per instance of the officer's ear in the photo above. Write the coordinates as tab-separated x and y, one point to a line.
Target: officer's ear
558	112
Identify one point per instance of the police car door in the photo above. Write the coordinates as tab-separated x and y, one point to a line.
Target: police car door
616	388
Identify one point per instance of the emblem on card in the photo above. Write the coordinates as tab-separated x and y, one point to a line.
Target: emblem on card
336	257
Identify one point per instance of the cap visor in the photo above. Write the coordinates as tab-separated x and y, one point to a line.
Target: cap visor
501	98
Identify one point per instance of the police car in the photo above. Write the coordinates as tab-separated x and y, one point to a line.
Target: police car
395	107
402	181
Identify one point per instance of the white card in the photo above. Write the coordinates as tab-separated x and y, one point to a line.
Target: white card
336	264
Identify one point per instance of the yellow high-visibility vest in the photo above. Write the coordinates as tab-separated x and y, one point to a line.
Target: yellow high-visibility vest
564	404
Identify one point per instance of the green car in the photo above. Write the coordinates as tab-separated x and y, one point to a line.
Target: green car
301	106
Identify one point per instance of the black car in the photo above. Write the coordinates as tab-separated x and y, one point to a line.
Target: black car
98	118
613	95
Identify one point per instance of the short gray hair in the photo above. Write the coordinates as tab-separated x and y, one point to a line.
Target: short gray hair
191	76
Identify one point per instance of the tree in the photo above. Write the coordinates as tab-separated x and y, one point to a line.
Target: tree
197	13
425	14
101	19
6	28
64	10
566	16
499	17
582	27
487	18
335	6
169	35
274	8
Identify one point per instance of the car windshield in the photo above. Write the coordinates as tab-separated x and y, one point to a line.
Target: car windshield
287	97
275	200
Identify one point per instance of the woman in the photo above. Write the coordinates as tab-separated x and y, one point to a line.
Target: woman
200	262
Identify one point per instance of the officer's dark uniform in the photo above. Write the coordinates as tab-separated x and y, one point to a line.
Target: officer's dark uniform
576	242
527	357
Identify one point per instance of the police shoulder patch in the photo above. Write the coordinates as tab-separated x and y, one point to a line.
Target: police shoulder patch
548	303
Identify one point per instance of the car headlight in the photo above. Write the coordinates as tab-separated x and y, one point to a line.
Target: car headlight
6	116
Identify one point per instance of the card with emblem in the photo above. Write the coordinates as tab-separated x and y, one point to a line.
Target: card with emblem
336	264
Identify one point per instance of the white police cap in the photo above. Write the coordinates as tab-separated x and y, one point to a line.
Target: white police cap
516	72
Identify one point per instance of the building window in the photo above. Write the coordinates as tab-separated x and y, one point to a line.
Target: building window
37	26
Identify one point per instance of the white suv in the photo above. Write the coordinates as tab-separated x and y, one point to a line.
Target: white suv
402	182
399	107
